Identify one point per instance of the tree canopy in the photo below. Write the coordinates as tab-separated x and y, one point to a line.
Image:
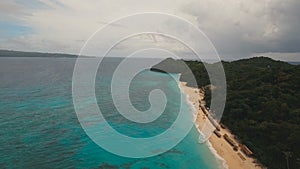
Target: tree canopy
262	107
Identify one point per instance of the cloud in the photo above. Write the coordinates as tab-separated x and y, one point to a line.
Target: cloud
243	27
10	10
238	28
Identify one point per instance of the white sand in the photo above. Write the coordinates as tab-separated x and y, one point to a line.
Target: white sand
220	145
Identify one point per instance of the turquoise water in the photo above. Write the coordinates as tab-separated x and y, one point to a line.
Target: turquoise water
39	127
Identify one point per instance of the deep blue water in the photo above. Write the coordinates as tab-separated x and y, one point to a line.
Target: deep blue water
40	129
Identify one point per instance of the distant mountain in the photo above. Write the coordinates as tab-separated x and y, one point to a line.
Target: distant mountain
262	107
170	65
9	53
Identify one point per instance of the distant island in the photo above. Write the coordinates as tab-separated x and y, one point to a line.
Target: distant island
262	107
11	53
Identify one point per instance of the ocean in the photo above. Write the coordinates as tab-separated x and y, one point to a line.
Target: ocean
40	129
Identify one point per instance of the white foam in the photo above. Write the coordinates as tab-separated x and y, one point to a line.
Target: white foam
190	103
215	153
209	145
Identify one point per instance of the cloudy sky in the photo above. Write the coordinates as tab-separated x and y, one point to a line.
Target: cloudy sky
237	28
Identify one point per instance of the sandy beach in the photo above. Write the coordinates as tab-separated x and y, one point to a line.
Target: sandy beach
234	159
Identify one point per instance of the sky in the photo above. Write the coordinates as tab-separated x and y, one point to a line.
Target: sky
237	28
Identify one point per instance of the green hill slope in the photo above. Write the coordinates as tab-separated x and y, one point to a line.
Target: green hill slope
262	107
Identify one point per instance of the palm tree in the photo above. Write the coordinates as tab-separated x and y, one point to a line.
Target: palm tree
287	155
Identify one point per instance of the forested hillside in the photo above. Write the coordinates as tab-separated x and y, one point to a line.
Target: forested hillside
262	107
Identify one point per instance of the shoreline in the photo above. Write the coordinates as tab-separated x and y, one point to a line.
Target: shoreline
223	151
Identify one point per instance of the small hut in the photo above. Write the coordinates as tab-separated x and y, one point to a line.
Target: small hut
246	150
217	133
231	142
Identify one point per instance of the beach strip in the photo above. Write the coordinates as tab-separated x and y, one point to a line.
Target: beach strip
223	146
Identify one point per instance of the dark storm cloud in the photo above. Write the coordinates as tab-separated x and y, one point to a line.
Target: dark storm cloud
237	28
244	27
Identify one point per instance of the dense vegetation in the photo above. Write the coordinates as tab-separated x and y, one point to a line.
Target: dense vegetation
262	107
